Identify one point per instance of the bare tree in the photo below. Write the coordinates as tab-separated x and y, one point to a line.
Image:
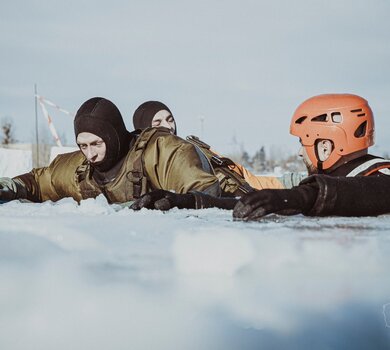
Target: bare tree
7	129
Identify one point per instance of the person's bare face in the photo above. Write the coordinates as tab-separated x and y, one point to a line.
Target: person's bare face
164	119
311	169
92	146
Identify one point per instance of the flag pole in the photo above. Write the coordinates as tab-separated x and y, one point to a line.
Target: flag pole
36	125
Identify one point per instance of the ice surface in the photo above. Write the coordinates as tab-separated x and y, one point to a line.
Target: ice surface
95	276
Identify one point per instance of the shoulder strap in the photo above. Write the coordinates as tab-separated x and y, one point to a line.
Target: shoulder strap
370	167
230	181
137	175
136	183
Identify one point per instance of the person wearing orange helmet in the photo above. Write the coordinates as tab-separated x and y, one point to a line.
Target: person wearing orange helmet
335	131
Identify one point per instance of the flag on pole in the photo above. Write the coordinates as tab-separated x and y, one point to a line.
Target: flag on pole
42	101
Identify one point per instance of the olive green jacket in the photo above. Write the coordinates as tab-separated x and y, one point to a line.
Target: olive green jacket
164	162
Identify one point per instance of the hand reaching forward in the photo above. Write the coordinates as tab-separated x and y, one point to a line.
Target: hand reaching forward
255	205
164	200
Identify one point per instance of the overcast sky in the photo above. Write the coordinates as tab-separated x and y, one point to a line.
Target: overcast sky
244	66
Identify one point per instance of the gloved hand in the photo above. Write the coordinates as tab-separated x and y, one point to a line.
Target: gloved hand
8	189
164	200
255	205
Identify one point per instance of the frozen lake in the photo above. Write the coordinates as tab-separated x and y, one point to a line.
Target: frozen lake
96	276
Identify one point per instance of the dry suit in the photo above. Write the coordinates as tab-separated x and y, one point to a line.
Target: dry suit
134	164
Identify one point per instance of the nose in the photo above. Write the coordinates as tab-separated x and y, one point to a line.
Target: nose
168	125
165	124
90	153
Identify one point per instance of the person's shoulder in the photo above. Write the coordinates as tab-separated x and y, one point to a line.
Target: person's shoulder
164	145
69	158
162	136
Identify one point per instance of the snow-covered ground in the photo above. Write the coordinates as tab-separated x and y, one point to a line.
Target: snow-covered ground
15	161
96	276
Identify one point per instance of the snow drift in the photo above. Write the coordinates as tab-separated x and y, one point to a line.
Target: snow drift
99	276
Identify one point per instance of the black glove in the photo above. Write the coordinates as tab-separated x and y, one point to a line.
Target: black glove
255	205
164	200
8	189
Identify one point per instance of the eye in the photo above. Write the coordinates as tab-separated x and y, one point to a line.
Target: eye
156	122
83	146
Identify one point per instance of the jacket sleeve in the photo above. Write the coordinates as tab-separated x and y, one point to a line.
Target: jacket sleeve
54	182
36	185
259	182
173	164
289	180
350	196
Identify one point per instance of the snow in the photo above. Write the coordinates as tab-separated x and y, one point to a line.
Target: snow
19	161
95	276
15	161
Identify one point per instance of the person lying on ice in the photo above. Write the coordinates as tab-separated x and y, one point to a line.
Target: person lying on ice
335	131
157	114
120	165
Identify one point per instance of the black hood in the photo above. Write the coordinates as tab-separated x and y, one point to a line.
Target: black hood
145	113
102	118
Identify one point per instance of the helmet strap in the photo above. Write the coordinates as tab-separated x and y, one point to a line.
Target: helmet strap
320	167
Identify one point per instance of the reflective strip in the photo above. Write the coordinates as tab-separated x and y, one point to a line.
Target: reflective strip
366	165
385	171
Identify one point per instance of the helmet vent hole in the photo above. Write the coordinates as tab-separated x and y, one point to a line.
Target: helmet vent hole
336	117
361	130
360	111
320	118
300	120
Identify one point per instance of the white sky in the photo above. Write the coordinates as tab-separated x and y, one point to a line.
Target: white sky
242	65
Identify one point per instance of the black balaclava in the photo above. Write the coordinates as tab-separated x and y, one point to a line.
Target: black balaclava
145	113
102	118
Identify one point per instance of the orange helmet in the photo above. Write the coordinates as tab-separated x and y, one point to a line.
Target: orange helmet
345	119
